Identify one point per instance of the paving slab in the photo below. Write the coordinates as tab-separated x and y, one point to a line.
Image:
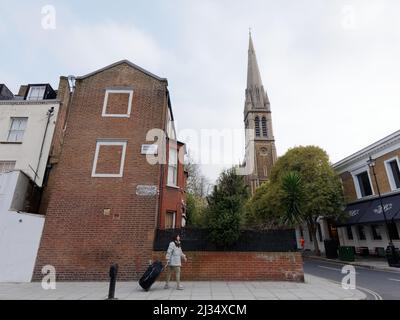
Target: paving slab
313	288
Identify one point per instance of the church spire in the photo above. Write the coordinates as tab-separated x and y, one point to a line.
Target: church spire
255	94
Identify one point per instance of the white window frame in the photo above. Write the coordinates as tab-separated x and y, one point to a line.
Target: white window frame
389	172
175	165
117	115
100	143
29	98
173	220
356	183
11	129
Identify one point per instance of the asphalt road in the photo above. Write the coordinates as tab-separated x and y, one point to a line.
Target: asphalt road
375	284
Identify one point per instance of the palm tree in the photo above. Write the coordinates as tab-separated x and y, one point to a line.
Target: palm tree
293	200
292	187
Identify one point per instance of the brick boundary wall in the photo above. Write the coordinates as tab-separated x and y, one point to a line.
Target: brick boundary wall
239	266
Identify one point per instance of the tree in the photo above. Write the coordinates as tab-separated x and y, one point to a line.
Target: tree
226	207
261	209
197	187
195	209
306	187
293	198
197	184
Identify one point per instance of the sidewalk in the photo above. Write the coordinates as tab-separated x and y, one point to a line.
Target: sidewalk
313	289
365	262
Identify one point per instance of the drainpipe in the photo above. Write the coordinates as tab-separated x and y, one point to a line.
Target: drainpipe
49	115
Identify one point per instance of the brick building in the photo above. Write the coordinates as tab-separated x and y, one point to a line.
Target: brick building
364	225
104	198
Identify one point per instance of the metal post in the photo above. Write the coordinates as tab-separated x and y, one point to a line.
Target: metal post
391	253
383	208
113	281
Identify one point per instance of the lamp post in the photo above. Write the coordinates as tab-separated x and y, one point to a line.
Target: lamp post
391	253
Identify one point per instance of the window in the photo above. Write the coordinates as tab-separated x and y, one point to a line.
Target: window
361	233
36	93
17	129
264	126
170	218
7	166
349	232
364	184
394	233
257	126
172	167
393	172
117	103
376	234
109	159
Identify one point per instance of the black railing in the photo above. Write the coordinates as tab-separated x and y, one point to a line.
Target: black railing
249	240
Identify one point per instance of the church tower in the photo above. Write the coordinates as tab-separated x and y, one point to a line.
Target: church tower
260	143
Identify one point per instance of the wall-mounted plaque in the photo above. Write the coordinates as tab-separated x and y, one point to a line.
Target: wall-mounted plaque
149	149
146	190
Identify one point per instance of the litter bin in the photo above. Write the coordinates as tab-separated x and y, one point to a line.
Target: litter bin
346	253
331	249
393	256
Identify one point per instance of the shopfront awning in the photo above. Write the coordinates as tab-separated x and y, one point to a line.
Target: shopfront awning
370	211
353	213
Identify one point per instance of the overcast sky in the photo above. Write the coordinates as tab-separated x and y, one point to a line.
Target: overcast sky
331	68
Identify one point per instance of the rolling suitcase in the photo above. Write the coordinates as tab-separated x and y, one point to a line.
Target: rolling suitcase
151	275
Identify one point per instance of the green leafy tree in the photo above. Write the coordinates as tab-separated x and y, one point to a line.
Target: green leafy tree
226	208
196	210
305	187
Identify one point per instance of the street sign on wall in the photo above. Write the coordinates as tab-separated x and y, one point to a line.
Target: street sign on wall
146	190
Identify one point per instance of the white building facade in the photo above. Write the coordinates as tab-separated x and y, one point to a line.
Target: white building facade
27	124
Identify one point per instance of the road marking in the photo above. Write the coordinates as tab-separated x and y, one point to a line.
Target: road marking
335	269
394	279
357	266
329	268
376	295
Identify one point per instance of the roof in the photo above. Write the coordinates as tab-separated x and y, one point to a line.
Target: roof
369	150
255	93
122	62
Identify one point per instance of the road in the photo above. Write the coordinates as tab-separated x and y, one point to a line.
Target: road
375	284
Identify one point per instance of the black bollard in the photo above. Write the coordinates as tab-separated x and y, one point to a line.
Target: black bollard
113	281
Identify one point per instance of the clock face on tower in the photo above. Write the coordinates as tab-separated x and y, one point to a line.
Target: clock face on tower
263	151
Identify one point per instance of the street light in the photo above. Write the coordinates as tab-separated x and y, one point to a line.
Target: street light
391	253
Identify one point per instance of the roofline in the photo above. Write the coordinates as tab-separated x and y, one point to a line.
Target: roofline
121	62
29	102
367	150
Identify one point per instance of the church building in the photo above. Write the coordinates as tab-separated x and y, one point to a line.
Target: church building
260	153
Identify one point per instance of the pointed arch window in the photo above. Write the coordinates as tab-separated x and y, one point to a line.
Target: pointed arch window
264	126
257	126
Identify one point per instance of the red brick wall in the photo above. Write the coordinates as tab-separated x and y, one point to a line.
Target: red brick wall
56	145
109	159
171	199
240	266
80	239
117	103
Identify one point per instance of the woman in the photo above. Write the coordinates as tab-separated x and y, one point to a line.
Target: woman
173	256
